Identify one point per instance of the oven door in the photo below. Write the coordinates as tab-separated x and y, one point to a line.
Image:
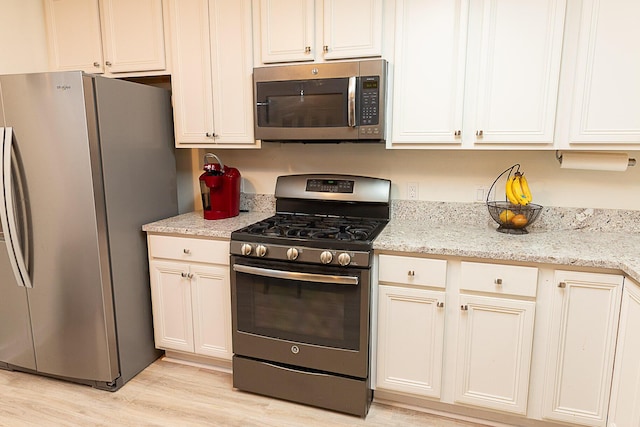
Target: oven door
309	316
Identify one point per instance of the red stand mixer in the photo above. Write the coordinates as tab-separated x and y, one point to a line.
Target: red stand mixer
220	188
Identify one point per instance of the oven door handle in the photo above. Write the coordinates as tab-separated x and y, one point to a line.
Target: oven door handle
293	275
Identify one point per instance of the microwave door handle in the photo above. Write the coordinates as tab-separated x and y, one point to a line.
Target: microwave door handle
7	212
294	275
351	101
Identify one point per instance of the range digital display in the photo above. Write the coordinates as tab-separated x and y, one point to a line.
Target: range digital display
330	185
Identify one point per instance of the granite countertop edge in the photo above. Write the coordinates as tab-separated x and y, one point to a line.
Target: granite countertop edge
605	250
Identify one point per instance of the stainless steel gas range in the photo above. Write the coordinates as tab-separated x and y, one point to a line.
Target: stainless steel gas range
301	292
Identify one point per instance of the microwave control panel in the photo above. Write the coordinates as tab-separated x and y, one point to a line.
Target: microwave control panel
369	114
369	101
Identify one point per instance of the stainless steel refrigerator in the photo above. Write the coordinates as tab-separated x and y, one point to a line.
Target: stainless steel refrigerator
86	161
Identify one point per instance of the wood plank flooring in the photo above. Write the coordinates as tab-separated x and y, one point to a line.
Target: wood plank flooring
176	395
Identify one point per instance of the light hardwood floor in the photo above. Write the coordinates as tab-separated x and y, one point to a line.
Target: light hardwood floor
170	394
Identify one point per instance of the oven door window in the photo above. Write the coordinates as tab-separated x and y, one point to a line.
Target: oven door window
303	103
319	313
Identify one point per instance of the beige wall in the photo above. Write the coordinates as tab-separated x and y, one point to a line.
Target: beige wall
23	46
442	175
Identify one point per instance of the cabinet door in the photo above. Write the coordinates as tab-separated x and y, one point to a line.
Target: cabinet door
211	299
352	29
606	97
231	72
133	35
287	30
73	30
495	339
513	70
410	340
582	337
625	393
212	73
171	302
428	82
191	76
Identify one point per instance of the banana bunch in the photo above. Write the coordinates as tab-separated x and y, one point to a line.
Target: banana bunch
517	190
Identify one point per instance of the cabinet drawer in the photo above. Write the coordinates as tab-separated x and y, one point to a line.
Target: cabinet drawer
499	279
412	270
189	249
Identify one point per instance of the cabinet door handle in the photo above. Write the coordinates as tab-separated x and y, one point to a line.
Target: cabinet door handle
325	49
307	50
464	307
439	304
562	285
185	275
96	64
457	133
479	133
108	63
210	134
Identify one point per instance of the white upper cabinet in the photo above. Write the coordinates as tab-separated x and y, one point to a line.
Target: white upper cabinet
481	73
308	30
513	70
352	29
606	88
428	86
212	73
106	36
287	30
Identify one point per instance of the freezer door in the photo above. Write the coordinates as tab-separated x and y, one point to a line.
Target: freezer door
57	157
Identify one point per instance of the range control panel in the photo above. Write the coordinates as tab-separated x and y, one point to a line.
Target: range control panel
330	185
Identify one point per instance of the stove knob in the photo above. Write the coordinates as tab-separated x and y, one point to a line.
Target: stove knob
246	249
344	259
261	250
326	257
292	254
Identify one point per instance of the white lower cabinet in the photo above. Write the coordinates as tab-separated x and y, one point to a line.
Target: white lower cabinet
495	336
477	355
191	295
624	409
411	325
582	341
410	344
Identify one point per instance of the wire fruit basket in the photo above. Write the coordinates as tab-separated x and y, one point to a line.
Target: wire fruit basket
511	218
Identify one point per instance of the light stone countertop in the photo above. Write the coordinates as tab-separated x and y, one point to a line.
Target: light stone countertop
568	247
194	224
609	250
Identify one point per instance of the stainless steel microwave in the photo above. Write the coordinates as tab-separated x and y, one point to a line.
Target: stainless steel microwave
341	101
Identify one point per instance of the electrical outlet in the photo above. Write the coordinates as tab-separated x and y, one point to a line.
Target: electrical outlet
480	194
412	191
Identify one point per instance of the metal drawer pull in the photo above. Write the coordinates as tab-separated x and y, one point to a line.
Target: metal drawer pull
498	281
187	251
464	307
411	273
293	275
562	285
439	304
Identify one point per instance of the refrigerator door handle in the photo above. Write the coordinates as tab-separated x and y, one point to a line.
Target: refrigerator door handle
7	212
